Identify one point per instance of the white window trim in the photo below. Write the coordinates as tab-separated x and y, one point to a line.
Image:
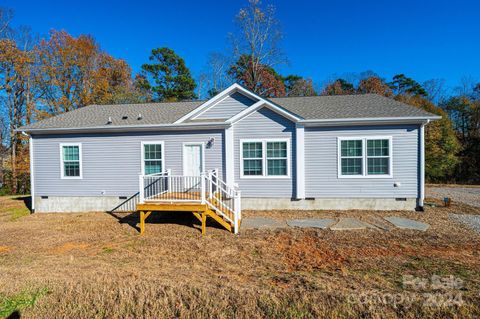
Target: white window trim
364	140
264	158
142	152
184	162
62	166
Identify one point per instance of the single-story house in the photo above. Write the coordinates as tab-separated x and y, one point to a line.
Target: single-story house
320	152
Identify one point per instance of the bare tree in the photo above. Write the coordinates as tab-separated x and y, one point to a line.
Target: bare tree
17	96
258	36
216	77
466	86
3	142
435	89
202	84
6	16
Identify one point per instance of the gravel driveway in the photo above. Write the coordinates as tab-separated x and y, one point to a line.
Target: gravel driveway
466	195
473	221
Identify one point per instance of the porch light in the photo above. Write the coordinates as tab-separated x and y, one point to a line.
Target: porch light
210	142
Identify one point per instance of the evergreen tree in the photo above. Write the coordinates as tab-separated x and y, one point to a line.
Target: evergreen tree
168	77
402	85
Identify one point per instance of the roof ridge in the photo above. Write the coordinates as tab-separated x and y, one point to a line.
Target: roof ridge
147	103
316	96
204	100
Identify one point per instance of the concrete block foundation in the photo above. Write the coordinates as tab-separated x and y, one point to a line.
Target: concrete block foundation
63	204
329	203
76	204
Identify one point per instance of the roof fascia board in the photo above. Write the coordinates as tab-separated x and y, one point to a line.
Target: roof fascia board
260	104
235	87
138	128
368	121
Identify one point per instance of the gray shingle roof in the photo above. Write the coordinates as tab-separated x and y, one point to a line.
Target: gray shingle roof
348	106
309	108
98	115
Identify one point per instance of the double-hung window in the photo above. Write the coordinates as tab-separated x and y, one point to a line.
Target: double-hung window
253	158
378	157
71	160
365	157
265	158
277	158
152	157
351	157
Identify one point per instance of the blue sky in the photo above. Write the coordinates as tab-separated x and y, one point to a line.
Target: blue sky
423	39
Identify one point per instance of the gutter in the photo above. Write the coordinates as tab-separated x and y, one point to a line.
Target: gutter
224	125
127	128
372	120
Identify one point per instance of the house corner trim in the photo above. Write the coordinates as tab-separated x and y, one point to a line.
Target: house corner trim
229	157
300	162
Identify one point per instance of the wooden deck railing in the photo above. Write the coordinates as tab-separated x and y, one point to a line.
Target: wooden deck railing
207	189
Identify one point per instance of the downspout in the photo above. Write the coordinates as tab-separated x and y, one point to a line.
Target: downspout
32	179
422	166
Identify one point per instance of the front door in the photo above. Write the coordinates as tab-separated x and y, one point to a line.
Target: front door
192	164
192	159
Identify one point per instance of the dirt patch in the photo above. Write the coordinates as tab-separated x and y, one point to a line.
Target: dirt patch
306	251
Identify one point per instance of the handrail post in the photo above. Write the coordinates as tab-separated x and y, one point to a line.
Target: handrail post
238	203
237	209
210	184
216	177
202	182
141	188
169	180
235	224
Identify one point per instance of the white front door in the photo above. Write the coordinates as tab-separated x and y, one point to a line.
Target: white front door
192	159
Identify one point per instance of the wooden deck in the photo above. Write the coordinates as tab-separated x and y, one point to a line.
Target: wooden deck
172	207
199	210
205	196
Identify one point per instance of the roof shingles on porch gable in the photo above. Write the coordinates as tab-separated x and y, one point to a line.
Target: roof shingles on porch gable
338	107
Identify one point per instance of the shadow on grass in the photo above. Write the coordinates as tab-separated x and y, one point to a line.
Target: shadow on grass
27	200
167	218
14	315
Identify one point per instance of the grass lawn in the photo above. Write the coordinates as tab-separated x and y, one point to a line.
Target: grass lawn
96	265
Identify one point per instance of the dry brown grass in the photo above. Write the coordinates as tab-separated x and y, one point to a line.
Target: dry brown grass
96	266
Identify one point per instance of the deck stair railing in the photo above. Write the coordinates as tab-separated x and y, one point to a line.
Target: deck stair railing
207	188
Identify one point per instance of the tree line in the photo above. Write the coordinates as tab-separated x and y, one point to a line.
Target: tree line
44	77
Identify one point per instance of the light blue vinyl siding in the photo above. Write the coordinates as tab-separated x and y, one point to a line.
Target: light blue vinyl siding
321	164
231	105
265	123
111	163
